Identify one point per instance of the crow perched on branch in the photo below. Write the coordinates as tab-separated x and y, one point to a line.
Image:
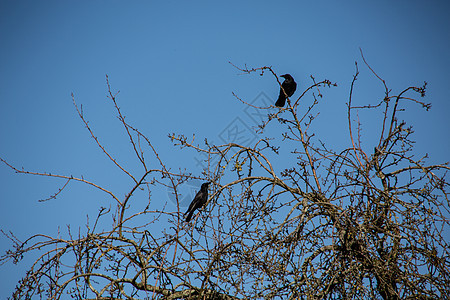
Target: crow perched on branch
199	200
289	86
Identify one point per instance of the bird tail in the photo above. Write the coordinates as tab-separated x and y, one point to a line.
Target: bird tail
281	101
188	218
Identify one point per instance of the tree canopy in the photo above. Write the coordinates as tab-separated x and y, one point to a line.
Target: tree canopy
365	221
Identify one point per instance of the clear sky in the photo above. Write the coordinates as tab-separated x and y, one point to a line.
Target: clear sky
169	59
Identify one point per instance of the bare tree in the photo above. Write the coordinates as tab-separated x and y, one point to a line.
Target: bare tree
366	221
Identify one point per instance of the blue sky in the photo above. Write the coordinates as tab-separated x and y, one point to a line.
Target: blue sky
170	62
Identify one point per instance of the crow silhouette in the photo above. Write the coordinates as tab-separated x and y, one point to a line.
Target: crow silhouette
199	200
289	86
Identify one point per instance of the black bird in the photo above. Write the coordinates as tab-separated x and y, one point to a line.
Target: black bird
199	200
289	86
